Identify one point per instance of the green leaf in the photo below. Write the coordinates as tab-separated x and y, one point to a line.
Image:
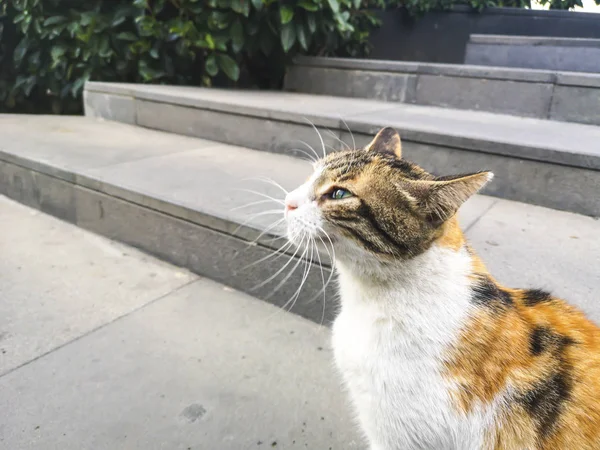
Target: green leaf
86	18
308	6
288	36
241	7
237	36
127	36
301	36
357	3
221	42
209	41
211	66
311	22
104	47
334	5
54	20
287	14
20	50
258	4
229	66
57	52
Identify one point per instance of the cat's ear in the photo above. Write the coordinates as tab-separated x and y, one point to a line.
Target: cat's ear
387	141
441	198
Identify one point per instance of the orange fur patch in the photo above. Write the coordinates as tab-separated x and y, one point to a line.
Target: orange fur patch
545	358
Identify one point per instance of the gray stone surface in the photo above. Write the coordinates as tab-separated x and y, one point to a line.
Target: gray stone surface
254	132
393	87
576	104
263	104
119	108
215	180
83	142
578	79
565	54
529	246
534	40
523	92
117	353
478	131
59	282
458	70
539	140
499	96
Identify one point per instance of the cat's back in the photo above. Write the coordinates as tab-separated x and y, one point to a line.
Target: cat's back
542	356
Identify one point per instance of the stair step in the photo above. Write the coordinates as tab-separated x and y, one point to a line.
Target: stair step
536	52
178	198
541	94
537	161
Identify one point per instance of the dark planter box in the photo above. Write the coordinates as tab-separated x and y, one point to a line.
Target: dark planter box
442	36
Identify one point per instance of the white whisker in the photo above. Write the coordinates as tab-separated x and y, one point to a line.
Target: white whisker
269	181
338	139
278	272
316	155
320	137
251	218
281	202
259	202
280	251
349	131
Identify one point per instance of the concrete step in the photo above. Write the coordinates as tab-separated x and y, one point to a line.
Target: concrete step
542	162
534	52
127	352
541	94
180	198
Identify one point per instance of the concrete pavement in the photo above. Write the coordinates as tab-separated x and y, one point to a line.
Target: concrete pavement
103	347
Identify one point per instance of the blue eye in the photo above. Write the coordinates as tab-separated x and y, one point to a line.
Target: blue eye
338	194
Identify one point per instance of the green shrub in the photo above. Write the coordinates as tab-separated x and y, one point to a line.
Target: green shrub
49	48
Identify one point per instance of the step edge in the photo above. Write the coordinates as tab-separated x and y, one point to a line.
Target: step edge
475	144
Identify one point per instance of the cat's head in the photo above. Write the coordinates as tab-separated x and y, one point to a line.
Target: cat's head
371	203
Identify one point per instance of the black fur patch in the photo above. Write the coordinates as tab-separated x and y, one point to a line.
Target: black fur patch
532	297
487	293
365	212
545	401
362	239
544	339
538	340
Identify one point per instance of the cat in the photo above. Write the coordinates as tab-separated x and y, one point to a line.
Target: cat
435	353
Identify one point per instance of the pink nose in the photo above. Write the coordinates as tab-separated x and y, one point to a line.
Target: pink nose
290	205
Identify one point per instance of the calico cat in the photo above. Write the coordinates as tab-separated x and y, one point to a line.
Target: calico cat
434	352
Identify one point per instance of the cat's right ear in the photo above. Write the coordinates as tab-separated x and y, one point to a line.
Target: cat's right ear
386	141
440	199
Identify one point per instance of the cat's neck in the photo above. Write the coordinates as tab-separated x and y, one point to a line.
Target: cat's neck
445	270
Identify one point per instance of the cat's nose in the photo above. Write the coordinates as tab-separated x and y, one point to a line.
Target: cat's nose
290	205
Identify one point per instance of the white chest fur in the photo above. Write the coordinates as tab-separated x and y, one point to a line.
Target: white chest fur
390	340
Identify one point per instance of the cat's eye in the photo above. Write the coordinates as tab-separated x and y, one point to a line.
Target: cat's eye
338	194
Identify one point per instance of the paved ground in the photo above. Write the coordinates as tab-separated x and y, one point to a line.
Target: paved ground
102	347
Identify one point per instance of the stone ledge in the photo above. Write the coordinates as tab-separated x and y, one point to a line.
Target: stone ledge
502	90
533	40
457	70
539	140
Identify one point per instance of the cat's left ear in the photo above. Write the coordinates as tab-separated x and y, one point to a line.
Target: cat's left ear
440	199
386	141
